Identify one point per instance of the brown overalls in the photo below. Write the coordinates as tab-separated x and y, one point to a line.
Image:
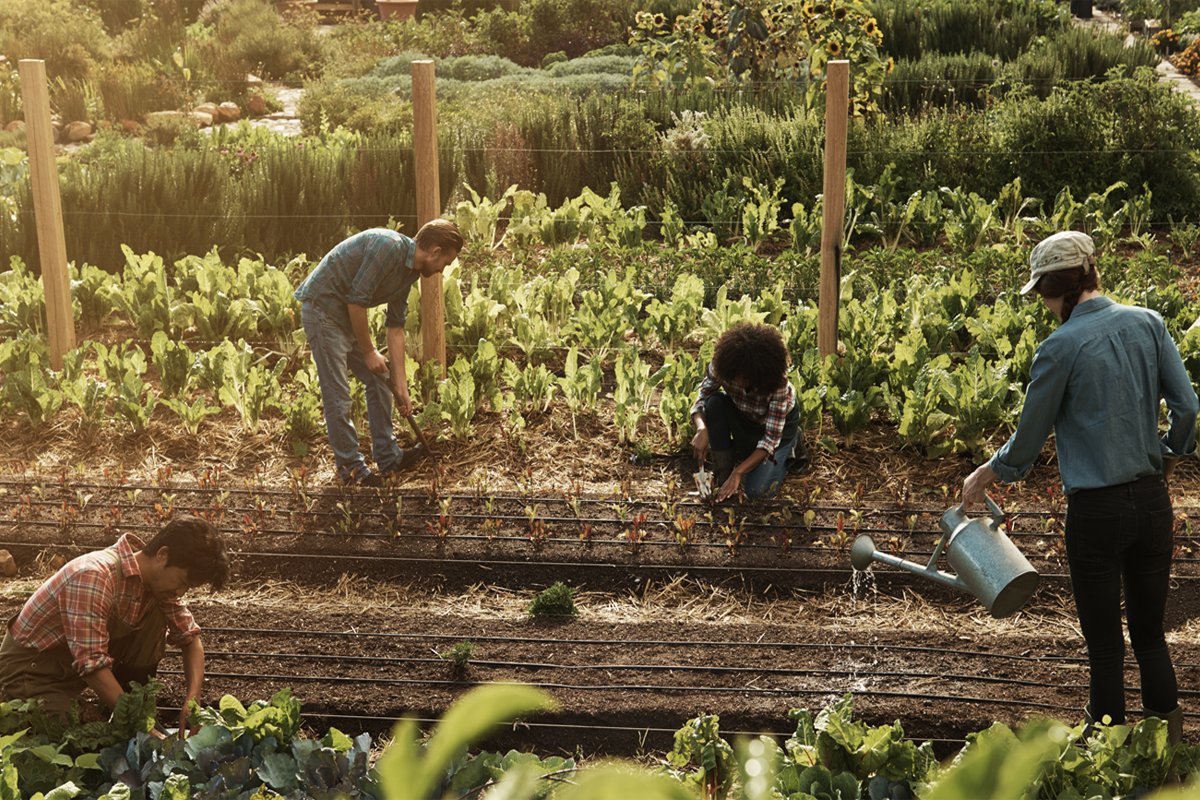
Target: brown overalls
49	675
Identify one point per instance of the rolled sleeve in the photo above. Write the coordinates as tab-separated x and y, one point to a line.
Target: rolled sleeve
1180	396
708	387
773	424
370	272
84	604
181	625
1043	397
397	310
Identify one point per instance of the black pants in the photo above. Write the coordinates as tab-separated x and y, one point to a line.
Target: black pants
1123	535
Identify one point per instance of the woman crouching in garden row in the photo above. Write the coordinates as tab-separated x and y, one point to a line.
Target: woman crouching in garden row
747	414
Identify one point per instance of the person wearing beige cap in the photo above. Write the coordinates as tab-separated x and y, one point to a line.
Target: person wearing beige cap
1097	383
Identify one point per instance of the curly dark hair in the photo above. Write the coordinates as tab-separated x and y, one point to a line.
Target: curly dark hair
195	545
754	354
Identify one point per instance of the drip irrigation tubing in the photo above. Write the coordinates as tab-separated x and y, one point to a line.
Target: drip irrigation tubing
746	690
419	536
743	644
549	565
337	493
533	665
576	726
389	519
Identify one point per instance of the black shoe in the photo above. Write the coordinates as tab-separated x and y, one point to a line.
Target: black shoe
409	458
362	477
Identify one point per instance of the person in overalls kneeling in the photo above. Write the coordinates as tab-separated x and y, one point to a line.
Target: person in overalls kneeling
104	618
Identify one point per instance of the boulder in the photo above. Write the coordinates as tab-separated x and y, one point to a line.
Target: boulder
253	80
257	105
15	125
8	566
229	112
130	126
201	119
77	132
207	108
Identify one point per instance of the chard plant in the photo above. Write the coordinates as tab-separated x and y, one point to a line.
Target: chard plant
683	525
580	385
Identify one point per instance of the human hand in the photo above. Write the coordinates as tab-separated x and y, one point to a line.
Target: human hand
376	362
403	403
700	444
975	487
732	487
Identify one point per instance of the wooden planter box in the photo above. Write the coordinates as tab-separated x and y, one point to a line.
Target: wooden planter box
396	10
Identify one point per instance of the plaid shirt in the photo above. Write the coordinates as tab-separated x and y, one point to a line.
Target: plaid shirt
368	269
769	410
77	603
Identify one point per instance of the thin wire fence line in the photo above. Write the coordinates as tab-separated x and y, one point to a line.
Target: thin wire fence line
672	90
872	220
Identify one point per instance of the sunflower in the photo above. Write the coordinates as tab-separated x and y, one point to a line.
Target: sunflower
839	13
660	19
834	48
870	27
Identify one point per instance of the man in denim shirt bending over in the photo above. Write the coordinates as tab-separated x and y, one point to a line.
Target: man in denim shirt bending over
371	268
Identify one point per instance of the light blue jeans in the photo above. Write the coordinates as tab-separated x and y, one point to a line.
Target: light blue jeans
728	429
336	354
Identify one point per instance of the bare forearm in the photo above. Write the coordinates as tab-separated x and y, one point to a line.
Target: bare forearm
193	669
104	684
396	349
751	463
360	327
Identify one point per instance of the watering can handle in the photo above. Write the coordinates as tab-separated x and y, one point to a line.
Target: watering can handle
998	515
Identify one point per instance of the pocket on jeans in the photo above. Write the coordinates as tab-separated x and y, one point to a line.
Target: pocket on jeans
1161	534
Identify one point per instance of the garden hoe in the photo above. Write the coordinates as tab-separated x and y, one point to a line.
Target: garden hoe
416	428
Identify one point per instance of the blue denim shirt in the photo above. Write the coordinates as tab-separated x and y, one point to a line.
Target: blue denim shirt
1096	382
368	269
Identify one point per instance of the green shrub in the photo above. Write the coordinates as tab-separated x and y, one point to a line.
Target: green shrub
10	95
130	91
71	40
116	14
1081	54
556	601
252	33
1090	136
938	80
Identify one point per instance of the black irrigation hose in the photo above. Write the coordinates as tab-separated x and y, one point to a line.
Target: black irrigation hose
576	726
549	540
762	671
548	565
342	493
342	679
742	644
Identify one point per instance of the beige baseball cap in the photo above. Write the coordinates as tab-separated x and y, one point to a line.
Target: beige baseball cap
1065	250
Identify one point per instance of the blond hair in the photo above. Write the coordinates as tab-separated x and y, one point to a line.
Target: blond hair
439	233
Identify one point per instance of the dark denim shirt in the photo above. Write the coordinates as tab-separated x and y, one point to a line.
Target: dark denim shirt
368	269
1096	382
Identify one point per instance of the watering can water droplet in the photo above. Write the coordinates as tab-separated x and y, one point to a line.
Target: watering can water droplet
985	561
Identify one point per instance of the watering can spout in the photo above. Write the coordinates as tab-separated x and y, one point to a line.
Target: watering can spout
986	563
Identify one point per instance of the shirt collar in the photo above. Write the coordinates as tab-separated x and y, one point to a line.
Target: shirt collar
127	547
1093	305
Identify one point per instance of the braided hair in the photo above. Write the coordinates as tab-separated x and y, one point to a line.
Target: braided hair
1069	284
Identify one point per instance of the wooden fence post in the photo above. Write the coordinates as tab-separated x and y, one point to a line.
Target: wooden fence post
429	205
837	109
47	210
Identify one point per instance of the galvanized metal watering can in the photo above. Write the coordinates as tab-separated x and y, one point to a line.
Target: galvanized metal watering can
987	563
